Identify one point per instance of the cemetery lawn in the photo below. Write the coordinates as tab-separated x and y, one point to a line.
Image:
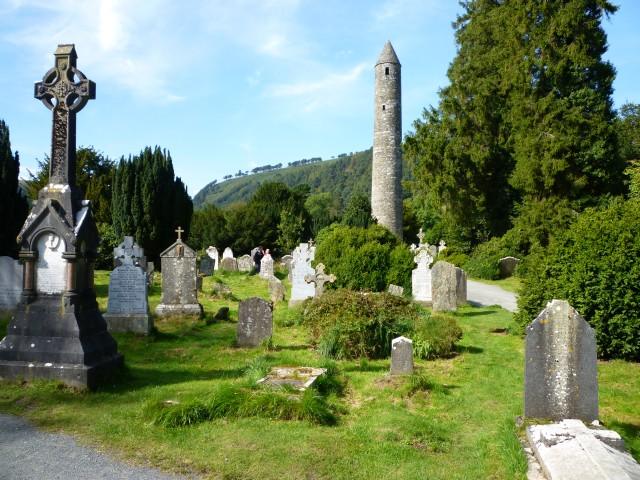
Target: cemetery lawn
458	424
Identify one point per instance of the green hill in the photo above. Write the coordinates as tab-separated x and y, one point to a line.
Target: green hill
341	177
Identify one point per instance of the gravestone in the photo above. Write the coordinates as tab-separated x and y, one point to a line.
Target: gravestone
442	246
286	261
228	264
561	376
128	308
10	283
151	268
276	290
228	253
507	266
245	263
444	287
212	252
401	356
58	332
319	278
395	290
179	280
303	255
255	322
130	252
461	287
421	276
266	266
206	266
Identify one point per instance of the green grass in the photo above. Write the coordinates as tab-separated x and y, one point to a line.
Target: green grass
511	284
454	419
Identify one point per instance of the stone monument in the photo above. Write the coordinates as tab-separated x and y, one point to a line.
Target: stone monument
207	266
303	255
266	266
276	290
395	290
132	251
401	356
245	263
228	253
228	264
386	174
507	266
10	283
561	371
421	275
179	280
444	287
461	287
319	278
255	322
213	255
58	331
128	308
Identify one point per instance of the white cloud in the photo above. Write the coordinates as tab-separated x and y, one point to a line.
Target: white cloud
333	81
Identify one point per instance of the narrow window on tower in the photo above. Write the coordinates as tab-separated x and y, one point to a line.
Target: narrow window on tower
386	70
383	107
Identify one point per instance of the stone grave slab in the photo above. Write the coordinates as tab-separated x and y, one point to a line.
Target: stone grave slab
255	322
561	372
245	263
401	356
10	283
444	287
127	307
299	378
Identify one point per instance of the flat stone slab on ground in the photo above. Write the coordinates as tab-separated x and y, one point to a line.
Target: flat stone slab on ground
568	450
299	378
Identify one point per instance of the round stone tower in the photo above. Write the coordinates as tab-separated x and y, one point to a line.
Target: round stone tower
386	186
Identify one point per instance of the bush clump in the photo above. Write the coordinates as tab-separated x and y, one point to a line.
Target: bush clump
364	258
595	266
347	324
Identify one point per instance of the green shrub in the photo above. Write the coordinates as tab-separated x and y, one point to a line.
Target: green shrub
347	324
483	262
595	266
364	258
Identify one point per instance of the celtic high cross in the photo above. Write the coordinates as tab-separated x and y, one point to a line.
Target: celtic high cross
65	90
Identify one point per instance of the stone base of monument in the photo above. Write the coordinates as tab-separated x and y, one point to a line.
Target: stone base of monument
568	450
299	378
165	310
73	346
129	323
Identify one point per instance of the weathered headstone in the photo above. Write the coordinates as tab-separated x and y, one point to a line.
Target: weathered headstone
207	266
507	266
461	287
561	376
127	308
129	253
212	252
255	322
444	287
276	290
266	266
286	261
57	331
303	255
319	278
228	264
396	290
179	280
421	276
10	283
228	253
245	263
401	356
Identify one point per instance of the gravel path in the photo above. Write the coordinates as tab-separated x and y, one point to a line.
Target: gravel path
483	295
26	454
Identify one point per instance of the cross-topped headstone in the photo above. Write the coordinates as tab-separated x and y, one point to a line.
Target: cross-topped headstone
129	253
421	236
319	279
179	231
65	90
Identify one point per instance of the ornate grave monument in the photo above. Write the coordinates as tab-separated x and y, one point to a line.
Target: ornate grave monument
179	280
319	278
58	331
132	251
301	267
421	276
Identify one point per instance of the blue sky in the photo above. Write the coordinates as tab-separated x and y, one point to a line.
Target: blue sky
234	84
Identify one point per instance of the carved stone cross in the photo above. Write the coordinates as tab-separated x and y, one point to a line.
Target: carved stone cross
319	279
65	90
179	231
421	236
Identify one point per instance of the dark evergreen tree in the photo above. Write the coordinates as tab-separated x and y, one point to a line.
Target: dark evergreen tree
208	227
358	212
13	204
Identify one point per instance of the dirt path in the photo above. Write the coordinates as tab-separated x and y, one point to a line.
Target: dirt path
483	295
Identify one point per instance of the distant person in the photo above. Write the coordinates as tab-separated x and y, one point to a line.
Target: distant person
257	257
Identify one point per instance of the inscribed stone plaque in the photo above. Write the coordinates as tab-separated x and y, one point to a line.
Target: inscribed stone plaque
266	266
255	322
461	287
303	255
206	266
50	267
561	376
245	264
127	308
444	287
401	356
10	283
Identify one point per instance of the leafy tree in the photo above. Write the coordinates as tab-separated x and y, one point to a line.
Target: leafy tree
628	128
290	229
208	226
13	205
358	212
323	210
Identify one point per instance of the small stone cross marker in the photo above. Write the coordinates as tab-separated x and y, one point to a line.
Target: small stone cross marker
319	279
179	231
64	90
421	236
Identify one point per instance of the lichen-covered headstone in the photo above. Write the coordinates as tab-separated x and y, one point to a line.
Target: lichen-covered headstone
421	276
401	356
127	308
444	287
266	266
255	322
303	255
10	283
245	263
228	264
507	266
561	376
179	281
276	290
461	287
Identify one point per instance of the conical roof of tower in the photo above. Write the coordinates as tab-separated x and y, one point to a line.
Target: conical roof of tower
388	55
